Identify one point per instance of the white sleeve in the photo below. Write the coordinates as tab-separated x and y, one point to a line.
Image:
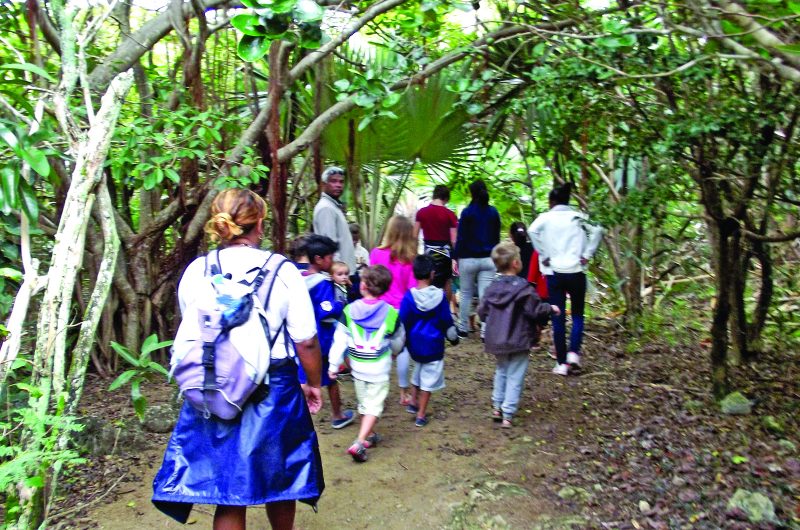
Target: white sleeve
300	321
187	286
593	240
338	348
536	234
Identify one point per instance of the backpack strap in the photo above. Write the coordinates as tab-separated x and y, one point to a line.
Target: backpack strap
256	285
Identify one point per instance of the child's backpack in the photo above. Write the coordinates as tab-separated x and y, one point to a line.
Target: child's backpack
221	352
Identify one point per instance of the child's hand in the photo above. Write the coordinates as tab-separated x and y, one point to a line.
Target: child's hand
555	309
333	375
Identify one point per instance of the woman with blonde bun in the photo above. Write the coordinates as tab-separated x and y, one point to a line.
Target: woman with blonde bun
269	454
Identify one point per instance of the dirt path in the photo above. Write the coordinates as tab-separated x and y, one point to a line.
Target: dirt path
634	442
458	469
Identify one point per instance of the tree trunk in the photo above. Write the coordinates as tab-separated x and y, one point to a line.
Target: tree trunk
49	363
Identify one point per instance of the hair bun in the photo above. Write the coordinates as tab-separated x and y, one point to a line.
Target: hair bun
222	227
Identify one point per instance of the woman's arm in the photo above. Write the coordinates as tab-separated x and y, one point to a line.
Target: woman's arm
311	358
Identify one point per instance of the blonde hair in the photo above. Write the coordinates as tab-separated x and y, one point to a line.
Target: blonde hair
504	254
234	212
339	265
400	239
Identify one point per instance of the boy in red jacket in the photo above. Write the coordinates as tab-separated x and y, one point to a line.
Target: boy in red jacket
513	314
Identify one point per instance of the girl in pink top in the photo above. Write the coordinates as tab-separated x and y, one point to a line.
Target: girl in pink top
397	254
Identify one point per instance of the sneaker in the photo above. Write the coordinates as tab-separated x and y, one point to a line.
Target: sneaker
372	440
345	421
421	422
358	452
573	359
561	369
412	409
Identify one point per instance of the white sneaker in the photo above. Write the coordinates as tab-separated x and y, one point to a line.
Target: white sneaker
561	369
573	359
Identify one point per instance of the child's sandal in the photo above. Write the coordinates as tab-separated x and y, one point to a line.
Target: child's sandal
497	415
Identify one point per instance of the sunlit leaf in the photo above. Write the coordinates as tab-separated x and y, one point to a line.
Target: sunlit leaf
307	11
249	25
29	68
252	48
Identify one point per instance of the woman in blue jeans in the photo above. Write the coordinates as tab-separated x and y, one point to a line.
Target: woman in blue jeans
566	242
478	233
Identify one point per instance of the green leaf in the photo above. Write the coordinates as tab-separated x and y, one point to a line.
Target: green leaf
794	7
139	406
9	181
172	175
738	459
252	48
248	24
123	352
307	11
793	49
28	203
11	274
154	366
254	4
391	100
8	137
139	402
151	344
364	123
280	6
34	391
37	160
122	379
342	85
29	68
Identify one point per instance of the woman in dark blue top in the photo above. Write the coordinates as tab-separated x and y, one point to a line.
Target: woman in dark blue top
478	233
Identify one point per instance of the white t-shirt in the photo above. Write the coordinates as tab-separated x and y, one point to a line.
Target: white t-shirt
289	299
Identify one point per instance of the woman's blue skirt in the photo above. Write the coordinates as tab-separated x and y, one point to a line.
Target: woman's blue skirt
269	454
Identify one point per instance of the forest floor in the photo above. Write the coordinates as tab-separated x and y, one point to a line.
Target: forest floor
634	441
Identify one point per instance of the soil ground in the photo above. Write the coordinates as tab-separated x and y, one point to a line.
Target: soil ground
634	441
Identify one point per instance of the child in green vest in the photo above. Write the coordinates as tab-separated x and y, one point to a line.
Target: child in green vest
370	337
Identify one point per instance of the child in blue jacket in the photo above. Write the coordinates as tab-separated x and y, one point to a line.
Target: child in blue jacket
327	312
425	314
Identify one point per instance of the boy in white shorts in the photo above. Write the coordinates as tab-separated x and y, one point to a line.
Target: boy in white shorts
371	336
425	314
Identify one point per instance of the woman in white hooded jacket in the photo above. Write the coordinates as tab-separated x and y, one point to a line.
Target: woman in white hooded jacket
566	242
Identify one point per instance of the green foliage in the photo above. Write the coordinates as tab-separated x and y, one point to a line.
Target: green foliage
291	20
23	468
143	369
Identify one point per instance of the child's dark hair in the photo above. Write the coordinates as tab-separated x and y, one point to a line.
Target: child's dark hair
320	246
423	267
560	194
297	248
376	279
518	233
441	192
